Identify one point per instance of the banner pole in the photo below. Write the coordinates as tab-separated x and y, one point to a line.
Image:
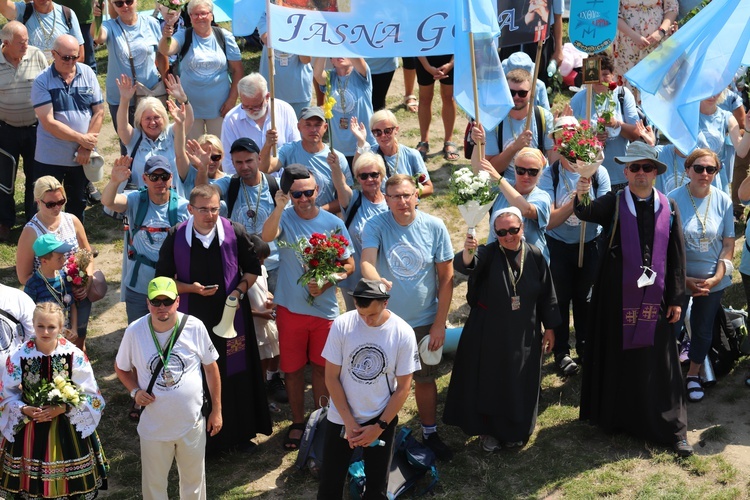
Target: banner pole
272	91
582	237
475	89
532	99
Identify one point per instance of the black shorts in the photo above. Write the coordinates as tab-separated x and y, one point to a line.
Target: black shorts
409	62
425	79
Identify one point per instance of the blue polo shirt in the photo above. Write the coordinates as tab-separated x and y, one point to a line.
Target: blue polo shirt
72	105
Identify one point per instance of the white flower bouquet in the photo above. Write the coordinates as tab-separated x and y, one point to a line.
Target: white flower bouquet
473	194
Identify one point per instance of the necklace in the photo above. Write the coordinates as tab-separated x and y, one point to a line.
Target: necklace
515	300
62	298
252	214
342	90
165	352
705	216
47	37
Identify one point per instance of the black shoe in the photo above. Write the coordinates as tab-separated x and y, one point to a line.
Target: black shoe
683	449
441	450
93	196
566	365
277	389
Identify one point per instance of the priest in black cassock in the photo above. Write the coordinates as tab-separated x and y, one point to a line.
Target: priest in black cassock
211	257
495	384
632	381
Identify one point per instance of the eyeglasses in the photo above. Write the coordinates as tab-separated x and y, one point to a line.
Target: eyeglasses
504	232
709	170
200	14
646	167
159	177
216	157
65	58
53	204
368	175
120	3
378	132
533	172
400	197
161	302
298	194
519	93
206	210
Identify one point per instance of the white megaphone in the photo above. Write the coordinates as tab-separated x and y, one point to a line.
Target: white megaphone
225	328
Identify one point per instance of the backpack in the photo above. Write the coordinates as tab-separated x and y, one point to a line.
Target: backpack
725	346
234	190
541	126
555	172
29	9
412	463
218	34
310	455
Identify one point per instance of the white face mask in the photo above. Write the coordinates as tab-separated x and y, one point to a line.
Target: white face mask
648	277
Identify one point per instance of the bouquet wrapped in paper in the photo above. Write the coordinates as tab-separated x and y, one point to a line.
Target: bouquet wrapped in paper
473	194
579	145
170	10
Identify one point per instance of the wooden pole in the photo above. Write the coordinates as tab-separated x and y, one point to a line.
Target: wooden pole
532	99
475	89
271	90
582	238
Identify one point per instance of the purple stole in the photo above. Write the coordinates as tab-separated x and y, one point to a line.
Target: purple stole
235	350
640	306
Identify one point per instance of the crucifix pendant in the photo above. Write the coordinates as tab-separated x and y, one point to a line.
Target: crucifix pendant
515	302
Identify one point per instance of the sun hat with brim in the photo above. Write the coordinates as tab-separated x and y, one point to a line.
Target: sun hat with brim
429	357
94	169
162	287
48	243
370	289
564	122
641	151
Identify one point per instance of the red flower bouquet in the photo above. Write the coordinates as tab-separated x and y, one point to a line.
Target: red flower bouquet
75	267
606	102
582	149
321	255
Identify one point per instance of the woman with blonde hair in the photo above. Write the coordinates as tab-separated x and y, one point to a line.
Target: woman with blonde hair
50	198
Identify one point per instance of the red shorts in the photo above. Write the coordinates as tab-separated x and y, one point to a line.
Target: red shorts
301	339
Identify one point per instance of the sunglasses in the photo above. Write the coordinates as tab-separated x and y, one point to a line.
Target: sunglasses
709	170
216	157
298	194
533	172
65	58
159	177
53	204
519	93
646	167
387	131
120	3
368	175
504	232
161	302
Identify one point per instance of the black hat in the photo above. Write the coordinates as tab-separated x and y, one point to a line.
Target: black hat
292	173
312	112
244	144
157	162
370	289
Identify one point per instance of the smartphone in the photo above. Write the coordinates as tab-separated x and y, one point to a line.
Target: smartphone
210	287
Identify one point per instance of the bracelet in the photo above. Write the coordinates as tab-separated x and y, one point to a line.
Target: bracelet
187	101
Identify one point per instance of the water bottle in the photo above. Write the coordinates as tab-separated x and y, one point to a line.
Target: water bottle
552	68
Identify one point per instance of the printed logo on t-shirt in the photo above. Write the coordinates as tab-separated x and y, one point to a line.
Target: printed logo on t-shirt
405	261
169	378
366	363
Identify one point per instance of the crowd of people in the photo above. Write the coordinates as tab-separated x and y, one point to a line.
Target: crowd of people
216	204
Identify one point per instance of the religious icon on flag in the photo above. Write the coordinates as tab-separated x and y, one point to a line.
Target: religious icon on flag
523	21
319	5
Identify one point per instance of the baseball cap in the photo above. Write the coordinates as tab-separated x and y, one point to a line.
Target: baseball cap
370	289
292	173
157	162
312	111
47	243
244	144
162	286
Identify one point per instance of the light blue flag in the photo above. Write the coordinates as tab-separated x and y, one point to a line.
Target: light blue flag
245	14
494	97
593	24
695	63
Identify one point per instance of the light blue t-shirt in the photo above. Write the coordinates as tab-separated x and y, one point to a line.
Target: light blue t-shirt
380	65
615	146
745	260
533	230
367	210
247	202
407	256
512	128
353	94
162	146
716	210
713	134
204	72
406	161
288	292
54	21
143	38
570	230
293	152
148	243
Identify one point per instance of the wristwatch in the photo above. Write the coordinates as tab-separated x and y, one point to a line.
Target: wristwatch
383	424
242	294
134	392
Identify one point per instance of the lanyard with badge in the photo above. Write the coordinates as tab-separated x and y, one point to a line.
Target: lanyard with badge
166	352
515	300
704	240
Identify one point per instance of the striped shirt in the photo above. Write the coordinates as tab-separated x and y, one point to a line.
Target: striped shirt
15	87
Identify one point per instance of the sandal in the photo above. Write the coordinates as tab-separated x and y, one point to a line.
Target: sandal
134	413
423	148
411	103
450	152
290	443
694	388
